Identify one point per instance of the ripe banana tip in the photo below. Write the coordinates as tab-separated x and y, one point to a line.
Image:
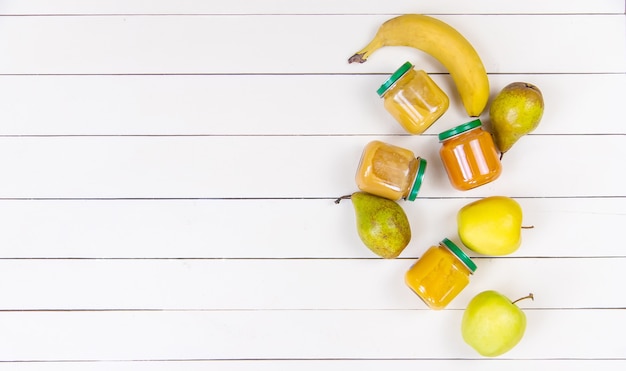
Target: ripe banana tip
357	58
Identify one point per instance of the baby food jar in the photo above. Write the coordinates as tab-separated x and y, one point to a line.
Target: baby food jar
413	98
390	171
469	156
440	274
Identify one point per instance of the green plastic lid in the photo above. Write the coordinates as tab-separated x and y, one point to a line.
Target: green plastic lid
460	254
419	176
393	78
459	129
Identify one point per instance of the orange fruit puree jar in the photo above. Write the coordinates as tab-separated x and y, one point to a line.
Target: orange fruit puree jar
469	156
413	98
440	274
390	171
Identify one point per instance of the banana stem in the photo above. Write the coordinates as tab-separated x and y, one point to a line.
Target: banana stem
357	58
362	55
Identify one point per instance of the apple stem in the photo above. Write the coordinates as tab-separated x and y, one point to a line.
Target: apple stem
529	296
346	197
528	226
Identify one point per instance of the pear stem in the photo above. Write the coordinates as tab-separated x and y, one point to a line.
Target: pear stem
501	154
528	226
346	197
529	296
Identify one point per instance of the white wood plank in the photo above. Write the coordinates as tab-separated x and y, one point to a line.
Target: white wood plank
296	44
294	104
317	7
563	227
254	335
325	364
285	167
317	285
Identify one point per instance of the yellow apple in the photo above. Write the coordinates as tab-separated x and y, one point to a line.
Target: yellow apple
491	226
492	324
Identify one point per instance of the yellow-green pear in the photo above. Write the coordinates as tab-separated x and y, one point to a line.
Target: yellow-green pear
381	224
515	112
491	225
492	324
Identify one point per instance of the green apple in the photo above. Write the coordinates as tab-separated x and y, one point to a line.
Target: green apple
492	324
491	226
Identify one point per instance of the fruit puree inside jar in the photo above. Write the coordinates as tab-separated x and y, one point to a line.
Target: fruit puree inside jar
439	275
389	171
414	99
470	157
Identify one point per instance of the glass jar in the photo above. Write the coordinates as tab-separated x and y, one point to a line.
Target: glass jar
469	156
413	98
440	274
390	171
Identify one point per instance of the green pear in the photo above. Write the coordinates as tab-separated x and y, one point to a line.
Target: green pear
491	225
381	224
492	324
515	112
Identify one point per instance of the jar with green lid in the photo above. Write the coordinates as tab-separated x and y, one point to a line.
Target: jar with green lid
413	98
440	274
469	155
390	171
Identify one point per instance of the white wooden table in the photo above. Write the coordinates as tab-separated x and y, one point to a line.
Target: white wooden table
168	171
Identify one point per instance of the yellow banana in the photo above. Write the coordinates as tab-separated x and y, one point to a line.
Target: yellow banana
445	44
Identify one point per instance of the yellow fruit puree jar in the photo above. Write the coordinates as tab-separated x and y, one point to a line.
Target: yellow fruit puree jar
469	156
413	98
440	274
390	171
